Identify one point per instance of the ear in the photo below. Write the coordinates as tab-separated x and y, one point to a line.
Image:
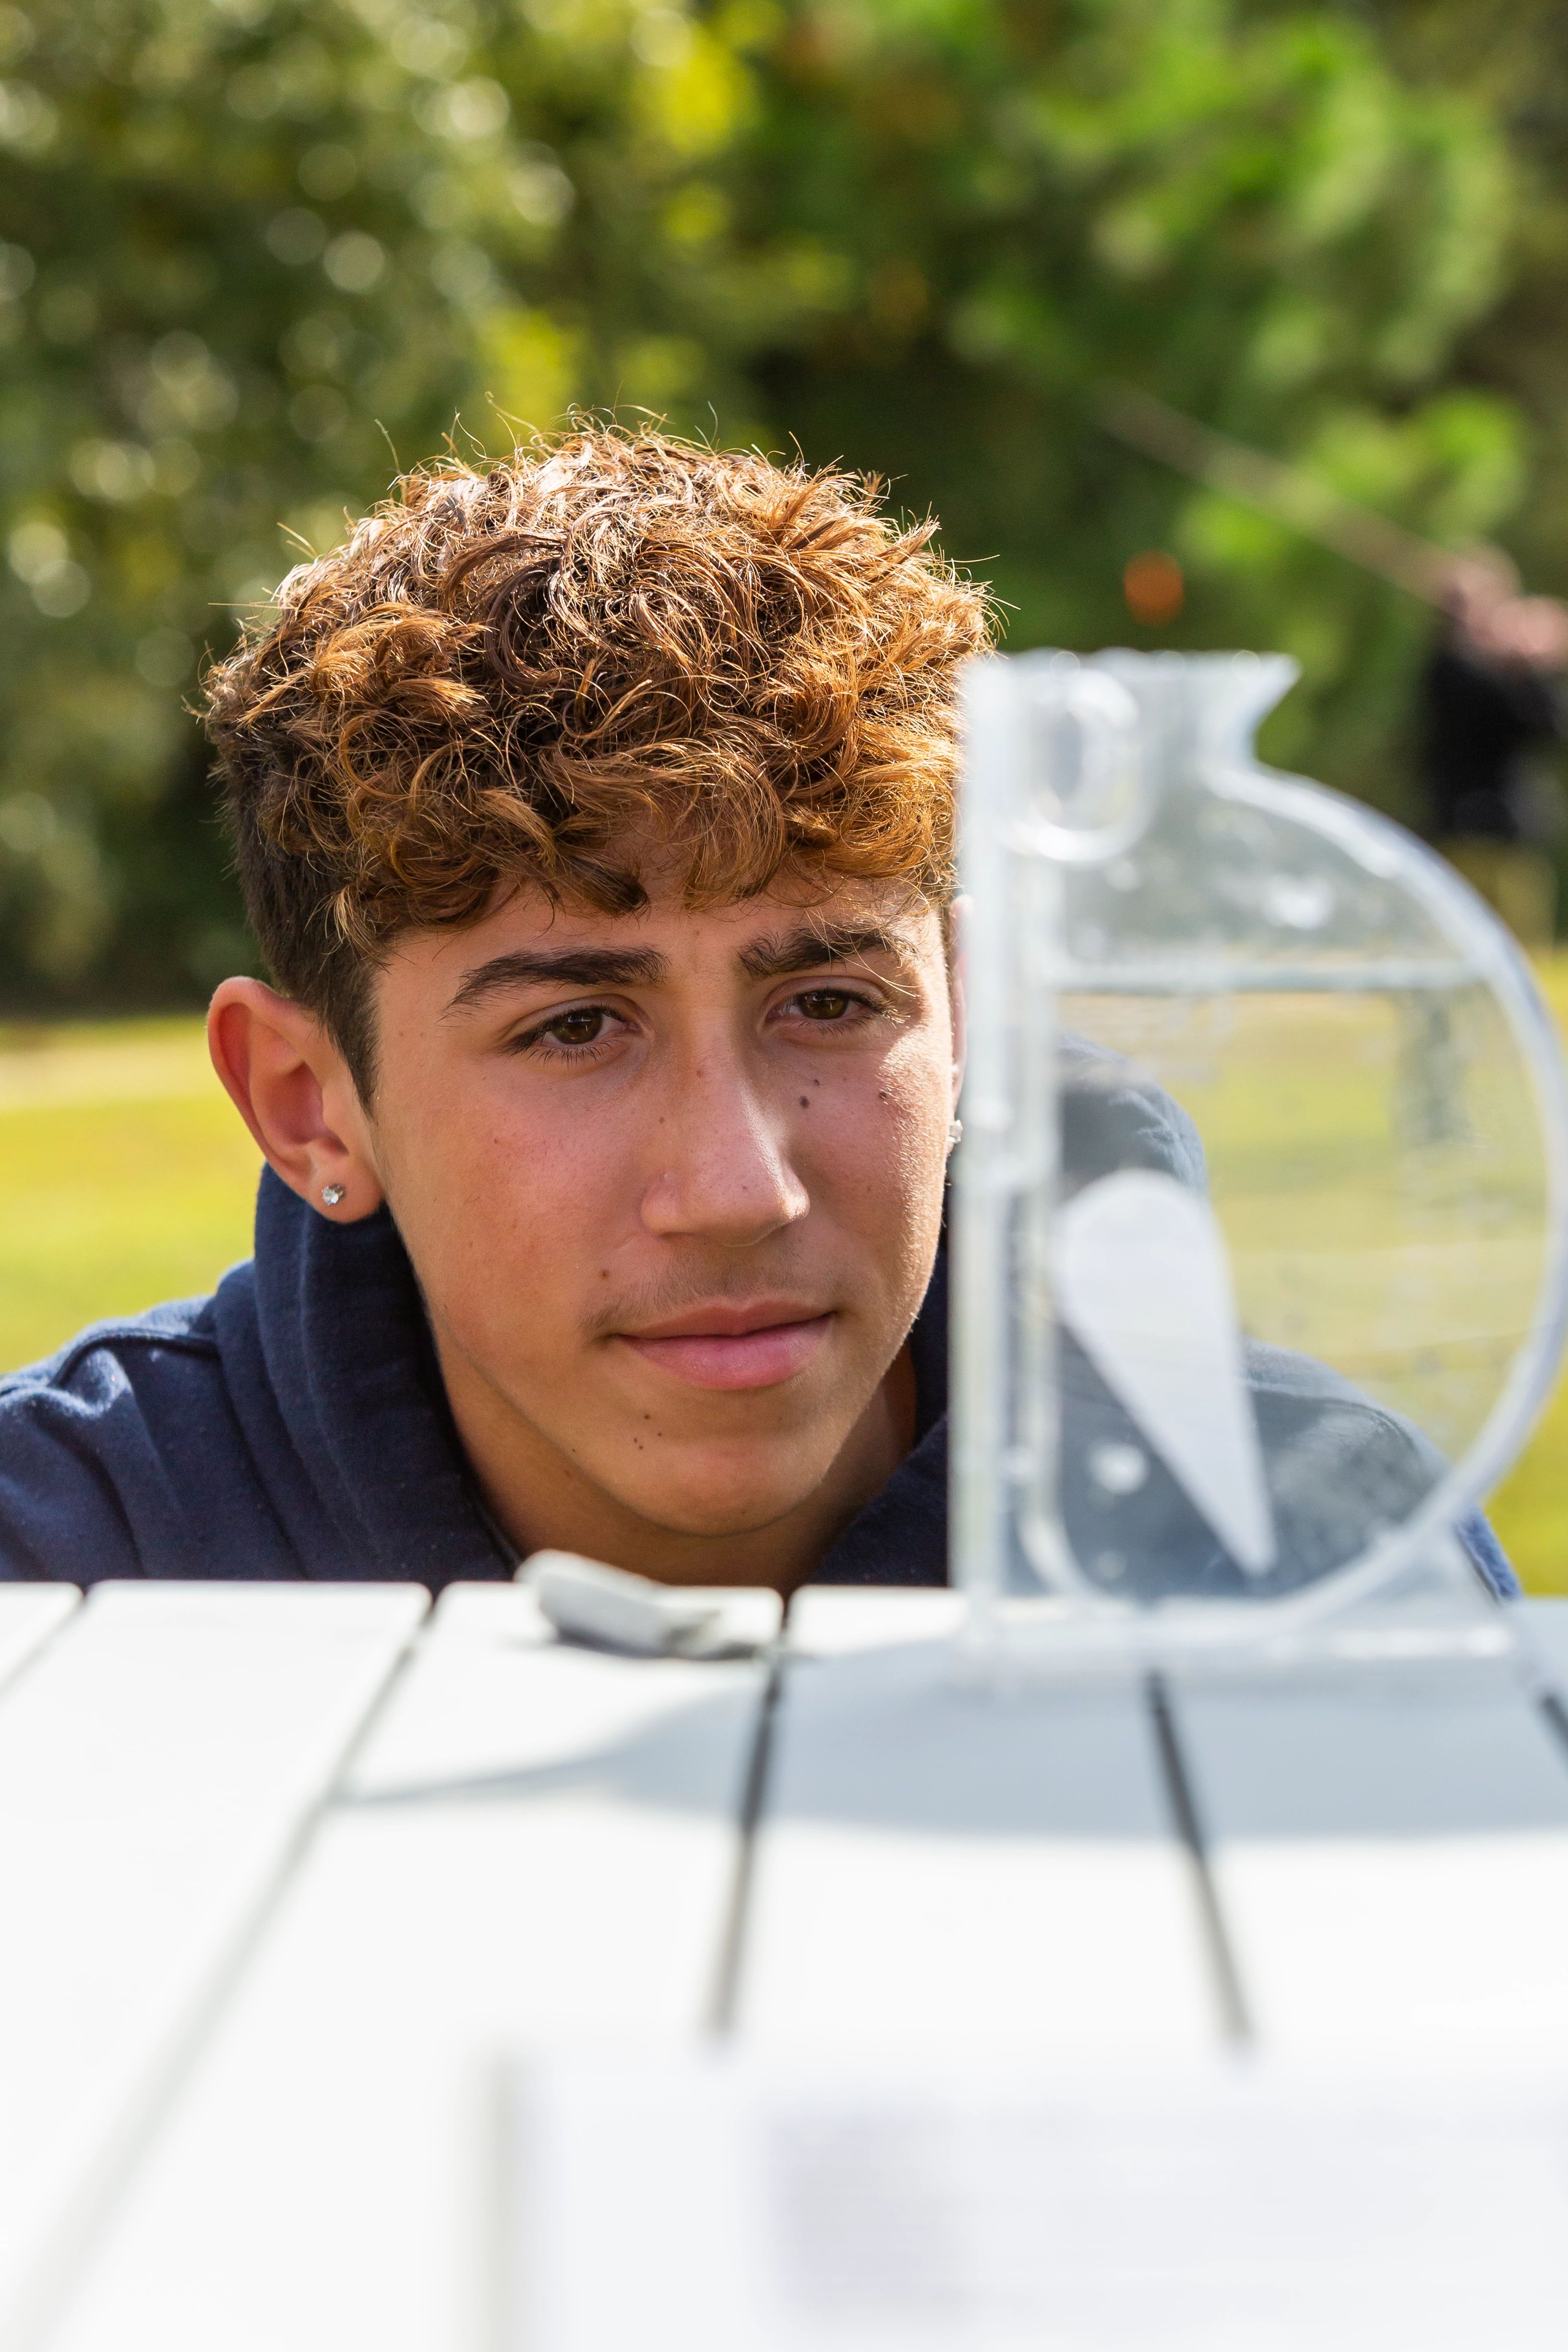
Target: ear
293	1089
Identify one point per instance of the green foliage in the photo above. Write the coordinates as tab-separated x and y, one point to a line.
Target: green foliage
1241	209
252	250
1514	54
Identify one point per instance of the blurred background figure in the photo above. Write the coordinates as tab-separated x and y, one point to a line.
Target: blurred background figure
1492	712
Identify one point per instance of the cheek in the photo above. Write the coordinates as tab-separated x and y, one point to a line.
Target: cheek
917	1086
890	1142
494	1206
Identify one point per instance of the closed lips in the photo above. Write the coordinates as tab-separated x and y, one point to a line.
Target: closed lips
734	1347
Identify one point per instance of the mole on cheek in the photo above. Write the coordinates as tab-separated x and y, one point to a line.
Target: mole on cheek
805	1102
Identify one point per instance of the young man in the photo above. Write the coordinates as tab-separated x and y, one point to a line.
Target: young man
595	816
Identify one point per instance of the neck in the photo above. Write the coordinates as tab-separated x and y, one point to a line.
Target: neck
541	1501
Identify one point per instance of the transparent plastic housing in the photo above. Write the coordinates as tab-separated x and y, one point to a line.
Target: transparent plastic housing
1260	1216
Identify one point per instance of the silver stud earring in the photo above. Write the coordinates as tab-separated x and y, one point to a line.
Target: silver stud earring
333	1193
955	1132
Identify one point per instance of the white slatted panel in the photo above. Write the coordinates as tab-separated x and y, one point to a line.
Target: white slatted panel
1544	1636
29	1614
1391	1856
540	1843
155	1767
941	1868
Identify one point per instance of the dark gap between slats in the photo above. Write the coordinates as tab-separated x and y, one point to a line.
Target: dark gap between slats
1235	2022
732	1950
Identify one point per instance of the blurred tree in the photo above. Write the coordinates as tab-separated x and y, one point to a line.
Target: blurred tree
1514	55
254	247
1242	208
255	256
215	280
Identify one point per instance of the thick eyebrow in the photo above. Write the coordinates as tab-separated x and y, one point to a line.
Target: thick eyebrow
814	944
560	968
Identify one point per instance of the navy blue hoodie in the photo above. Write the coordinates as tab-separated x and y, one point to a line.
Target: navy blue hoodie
294	1424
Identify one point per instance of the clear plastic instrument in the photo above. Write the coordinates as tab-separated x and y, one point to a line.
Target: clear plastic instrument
1259	1229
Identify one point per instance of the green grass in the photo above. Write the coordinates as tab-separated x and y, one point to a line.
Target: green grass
125	1178
1530	1509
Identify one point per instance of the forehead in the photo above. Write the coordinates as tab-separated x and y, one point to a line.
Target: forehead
678	934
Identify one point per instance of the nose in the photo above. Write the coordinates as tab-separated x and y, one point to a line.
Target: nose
722	1173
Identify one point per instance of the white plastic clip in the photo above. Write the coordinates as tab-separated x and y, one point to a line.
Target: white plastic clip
589	1603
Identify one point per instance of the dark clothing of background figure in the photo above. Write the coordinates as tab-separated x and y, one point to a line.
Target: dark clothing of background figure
1487	730
294	1424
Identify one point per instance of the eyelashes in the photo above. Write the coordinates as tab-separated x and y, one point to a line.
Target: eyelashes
544	1041
582	1032
827	1007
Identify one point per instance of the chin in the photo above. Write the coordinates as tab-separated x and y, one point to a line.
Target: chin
731	1500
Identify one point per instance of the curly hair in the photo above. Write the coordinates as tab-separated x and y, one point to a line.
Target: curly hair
610	646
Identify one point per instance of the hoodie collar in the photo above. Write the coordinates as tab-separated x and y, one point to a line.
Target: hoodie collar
352	1369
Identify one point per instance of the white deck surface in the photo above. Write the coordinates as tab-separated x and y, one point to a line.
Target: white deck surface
1392	1865
289	1872
29	1614
158	1761
536	1842
946	1867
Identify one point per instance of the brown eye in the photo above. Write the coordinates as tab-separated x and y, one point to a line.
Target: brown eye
824	1004
583	1027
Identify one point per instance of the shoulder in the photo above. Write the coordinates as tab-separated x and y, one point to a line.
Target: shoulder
1346	1446
121	1369
1332	1449
98	1440
184	1327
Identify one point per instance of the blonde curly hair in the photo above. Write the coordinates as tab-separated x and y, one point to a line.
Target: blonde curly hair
608	647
